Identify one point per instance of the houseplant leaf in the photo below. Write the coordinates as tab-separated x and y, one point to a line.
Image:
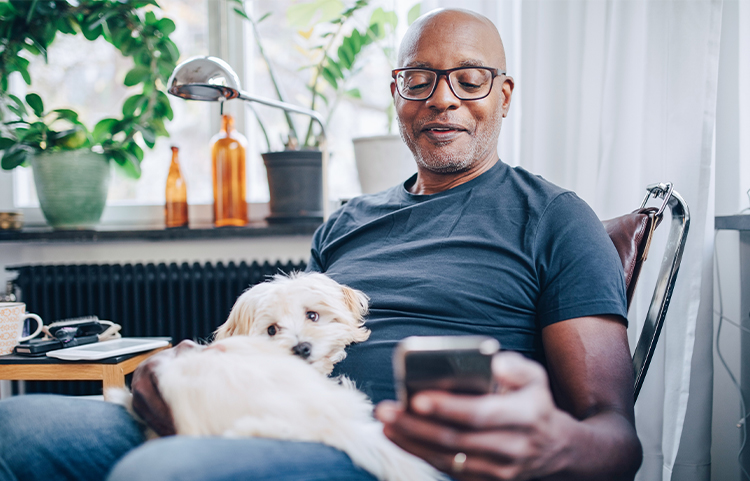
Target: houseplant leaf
138	74
14	157
36	104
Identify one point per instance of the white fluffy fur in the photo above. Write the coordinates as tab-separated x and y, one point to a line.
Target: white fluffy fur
284	301
250	386
248	383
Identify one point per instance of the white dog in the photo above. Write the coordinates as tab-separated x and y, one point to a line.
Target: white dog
266	375
310	314
250	386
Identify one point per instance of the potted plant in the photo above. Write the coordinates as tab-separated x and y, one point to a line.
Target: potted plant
70	161
335	43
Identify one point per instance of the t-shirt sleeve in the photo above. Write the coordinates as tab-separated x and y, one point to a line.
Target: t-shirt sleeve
316	264
579	271
319	240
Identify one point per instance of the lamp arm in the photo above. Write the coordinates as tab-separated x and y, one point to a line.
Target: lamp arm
286	107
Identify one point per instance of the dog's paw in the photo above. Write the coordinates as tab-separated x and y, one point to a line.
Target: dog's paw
121	396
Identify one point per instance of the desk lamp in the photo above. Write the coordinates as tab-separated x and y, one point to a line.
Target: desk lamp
211	79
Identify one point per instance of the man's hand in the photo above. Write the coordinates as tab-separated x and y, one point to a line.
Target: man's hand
586	433
517	434
147	400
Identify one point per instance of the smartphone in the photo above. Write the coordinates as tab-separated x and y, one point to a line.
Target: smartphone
459	364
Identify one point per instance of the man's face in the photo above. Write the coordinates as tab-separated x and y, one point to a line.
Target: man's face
446	134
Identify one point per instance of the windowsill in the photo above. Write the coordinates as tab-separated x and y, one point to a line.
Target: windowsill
194	232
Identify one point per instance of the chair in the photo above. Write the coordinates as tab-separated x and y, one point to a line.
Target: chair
631	235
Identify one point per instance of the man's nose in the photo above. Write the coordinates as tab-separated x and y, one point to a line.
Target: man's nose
442	98
303	349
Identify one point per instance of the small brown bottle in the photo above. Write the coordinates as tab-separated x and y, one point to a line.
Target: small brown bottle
228	154
176	206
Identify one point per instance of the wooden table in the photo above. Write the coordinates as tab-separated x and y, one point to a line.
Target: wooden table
110	371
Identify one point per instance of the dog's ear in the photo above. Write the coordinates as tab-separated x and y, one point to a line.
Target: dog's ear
240	318
356	301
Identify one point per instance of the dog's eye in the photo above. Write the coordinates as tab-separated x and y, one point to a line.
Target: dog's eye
313	316
272	330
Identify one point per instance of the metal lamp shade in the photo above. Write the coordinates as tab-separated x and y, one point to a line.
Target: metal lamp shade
204	78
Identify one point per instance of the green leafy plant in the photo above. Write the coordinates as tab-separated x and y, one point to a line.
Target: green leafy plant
28	27
335	40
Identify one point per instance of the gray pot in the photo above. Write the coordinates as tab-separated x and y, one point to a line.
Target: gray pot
295	184
72	187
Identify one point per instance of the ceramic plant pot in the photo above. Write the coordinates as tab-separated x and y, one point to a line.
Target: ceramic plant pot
72	187
295	184
382	162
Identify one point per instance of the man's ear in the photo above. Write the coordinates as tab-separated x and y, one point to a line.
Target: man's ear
507	90
393	90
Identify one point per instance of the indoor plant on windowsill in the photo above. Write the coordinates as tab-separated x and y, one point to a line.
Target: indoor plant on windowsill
334	43
72	163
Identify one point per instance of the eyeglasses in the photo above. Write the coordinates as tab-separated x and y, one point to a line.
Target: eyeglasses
466	83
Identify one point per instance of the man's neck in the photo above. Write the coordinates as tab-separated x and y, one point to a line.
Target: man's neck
429	182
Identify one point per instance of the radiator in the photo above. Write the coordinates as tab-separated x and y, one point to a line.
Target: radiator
181	301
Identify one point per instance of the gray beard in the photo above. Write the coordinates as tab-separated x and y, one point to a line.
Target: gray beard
447	162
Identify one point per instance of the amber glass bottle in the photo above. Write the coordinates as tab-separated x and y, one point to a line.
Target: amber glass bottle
176	206
228	153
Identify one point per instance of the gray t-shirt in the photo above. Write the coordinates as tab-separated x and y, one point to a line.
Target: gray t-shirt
502	255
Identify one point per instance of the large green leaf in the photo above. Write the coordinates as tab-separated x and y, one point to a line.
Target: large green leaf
346	56
7	10
354	93
414	13
14	157
103	129
165	26
241	13
333	66
67	114
132	104
303	15
137	75
381	18
6	143
129	162
162	103
36	104
151	18
330	78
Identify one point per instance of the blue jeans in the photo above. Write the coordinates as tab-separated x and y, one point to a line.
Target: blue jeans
52	438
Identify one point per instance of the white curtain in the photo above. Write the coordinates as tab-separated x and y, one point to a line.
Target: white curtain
612	96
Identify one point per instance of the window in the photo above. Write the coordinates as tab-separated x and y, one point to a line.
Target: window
211	27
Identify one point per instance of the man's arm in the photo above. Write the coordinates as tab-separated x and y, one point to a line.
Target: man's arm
585	433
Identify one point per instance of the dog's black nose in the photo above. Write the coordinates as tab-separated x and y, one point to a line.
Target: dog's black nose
303	349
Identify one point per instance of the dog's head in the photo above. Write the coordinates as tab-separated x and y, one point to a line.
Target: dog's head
312	315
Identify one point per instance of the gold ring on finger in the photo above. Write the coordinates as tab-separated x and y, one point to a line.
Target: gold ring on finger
459	461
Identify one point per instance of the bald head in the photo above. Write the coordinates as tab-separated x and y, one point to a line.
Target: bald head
453	25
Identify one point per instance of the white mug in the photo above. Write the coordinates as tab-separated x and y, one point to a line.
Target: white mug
12	316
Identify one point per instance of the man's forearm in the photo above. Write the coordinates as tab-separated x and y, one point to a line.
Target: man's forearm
602	447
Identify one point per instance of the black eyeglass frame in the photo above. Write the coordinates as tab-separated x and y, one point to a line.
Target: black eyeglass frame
446	73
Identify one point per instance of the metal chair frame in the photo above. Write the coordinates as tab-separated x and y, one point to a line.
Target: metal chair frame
670	265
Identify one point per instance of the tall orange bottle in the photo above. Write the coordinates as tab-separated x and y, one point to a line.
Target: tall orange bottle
228	153
176	206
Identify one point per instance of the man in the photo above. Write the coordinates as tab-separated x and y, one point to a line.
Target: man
467	246
518	255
